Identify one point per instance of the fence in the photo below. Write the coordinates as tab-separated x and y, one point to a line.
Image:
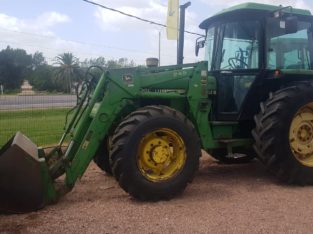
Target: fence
40	117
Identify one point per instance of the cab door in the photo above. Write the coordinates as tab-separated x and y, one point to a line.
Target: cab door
235	65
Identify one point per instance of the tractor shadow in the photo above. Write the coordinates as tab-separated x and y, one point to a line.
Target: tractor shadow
218	181
218	171
213	170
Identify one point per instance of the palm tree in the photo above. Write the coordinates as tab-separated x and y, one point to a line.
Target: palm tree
68	69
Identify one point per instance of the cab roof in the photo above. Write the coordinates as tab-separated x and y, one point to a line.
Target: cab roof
252	8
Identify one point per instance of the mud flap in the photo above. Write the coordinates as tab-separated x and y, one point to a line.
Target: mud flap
23	176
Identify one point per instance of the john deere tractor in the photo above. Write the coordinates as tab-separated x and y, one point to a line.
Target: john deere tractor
252	96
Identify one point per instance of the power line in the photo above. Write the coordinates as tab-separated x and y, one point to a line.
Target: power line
78	42
87	44
83	54
136	17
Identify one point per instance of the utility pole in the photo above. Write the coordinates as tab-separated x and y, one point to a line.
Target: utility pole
181	39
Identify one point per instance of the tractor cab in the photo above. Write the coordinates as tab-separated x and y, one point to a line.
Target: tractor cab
245	45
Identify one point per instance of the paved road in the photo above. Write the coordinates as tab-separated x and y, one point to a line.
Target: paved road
36	102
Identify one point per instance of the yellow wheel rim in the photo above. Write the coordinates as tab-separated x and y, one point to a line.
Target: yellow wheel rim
162	155
301	135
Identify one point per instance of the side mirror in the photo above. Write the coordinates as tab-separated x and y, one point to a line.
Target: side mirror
291	24
199	44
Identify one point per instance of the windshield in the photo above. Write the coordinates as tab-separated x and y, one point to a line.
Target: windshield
236	47
288	51
239	49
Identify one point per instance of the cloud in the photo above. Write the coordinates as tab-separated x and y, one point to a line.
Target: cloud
139	4
9	22
49	19
113	21
40	24
154	10
34	34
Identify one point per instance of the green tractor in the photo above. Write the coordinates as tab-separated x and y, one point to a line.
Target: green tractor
147	126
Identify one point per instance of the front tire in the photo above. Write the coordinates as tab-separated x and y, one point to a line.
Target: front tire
155	153
284	134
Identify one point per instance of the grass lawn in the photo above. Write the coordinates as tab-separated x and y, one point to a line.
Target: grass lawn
43	127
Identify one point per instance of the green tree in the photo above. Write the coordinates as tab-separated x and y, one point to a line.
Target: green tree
120	63
68	70
108	64
100	61
38	60
42	79
15	66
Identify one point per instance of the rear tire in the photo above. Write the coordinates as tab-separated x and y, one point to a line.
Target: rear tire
284	134
155	153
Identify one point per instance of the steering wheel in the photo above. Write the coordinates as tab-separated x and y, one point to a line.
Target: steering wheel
232	62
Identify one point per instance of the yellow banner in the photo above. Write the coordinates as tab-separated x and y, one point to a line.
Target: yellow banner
172	19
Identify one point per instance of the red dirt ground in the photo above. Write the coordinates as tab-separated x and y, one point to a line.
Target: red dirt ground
222	199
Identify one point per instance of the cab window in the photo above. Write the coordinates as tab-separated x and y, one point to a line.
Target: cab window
288	51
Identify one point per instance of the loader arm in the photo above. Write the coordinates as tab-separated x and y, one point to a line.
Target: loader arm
98	118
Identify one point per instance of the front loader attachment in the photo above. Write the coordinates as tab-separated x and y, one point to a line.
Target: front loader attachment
25	184
30	179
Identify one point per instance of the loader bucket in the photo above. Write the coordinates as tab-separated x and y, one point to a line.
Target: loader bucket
24	177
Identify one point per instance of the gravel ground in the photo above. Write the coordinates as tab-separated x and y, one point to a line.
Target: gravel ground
221	199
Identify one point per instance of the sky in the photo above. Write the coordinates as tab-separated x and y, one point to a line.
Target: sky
57	26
